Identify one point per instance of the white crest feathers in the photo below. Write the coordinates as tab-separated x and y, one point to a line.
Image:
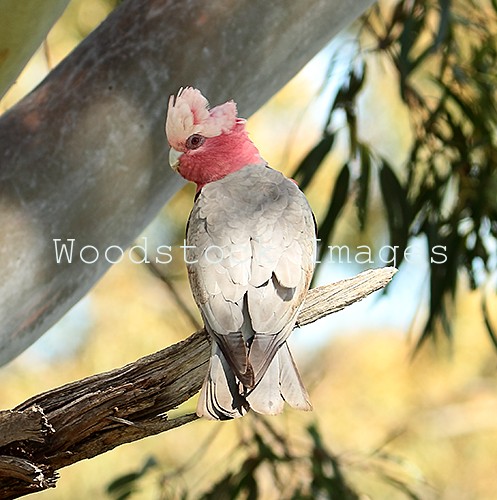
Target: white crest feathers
189	114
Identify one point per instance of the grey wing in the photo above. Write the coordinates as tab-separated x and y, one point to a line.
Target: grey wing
253	240
289	251
218	285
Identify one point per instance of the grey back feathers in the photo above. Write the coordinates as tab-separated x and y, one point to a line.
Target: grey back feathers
251	257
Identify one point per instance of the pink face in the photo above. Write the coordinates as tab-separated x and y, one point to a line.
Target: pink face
206	159
206	144
188	147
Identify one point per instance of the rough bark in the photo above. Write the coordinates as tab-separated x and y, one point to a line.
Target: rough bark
84	155
91	416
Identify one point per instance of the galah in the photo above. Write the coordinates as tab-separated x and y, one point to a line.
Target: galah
250	253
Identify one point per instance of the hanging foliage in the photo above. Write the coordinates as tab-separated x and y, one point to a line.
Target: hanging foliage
445	58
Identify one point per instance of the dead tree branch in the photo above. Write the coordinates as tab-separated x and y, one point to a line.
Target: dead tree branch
91	416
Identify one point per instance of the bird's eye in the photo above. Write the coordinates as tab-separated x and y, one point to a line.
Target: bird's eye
195	141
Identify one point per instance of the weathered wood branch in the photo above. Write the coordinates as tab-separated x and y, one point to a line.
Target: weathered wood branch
91	416
30	424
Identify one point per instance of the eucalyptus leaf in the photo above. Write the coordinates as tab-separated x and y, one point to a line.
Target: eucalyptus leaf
397	208
492	333
363	181
313	160
337	202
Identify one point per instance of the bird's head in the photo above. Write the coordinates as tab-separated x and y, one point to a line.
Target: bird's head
206	144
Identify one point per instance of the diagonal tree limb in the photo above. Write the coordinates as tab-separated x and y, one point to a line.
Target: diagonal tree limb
94	415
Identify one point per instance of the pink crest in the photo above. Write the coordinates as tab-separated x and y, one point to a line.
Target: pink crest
189	114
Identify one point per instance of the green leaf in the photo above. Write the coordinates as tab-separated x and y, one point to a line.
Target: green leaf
346	99
412	29
444	24
328	480
265	452
352	125
486	317
234	484
357	77
313	160
337	202
443	281
349	89
364	181
124	486
471	114
399	485
398	211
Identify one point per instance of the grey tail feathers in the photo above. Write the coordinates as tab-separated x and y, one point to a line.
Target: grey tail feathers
223	397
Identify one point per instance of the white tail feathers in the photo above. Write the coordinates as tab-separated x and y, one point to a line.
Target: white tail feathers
220	397
266	396
223	397
292	388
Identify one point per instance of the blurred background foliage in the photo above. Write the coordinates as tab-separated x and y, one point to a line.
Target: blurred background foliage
443	57
391	132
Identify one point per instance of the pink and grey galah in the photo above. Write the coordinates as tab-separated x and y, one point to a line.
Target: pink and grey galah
251	244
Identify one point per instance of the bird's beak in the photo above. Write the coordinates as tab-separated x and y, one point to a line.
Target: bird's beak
174	157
